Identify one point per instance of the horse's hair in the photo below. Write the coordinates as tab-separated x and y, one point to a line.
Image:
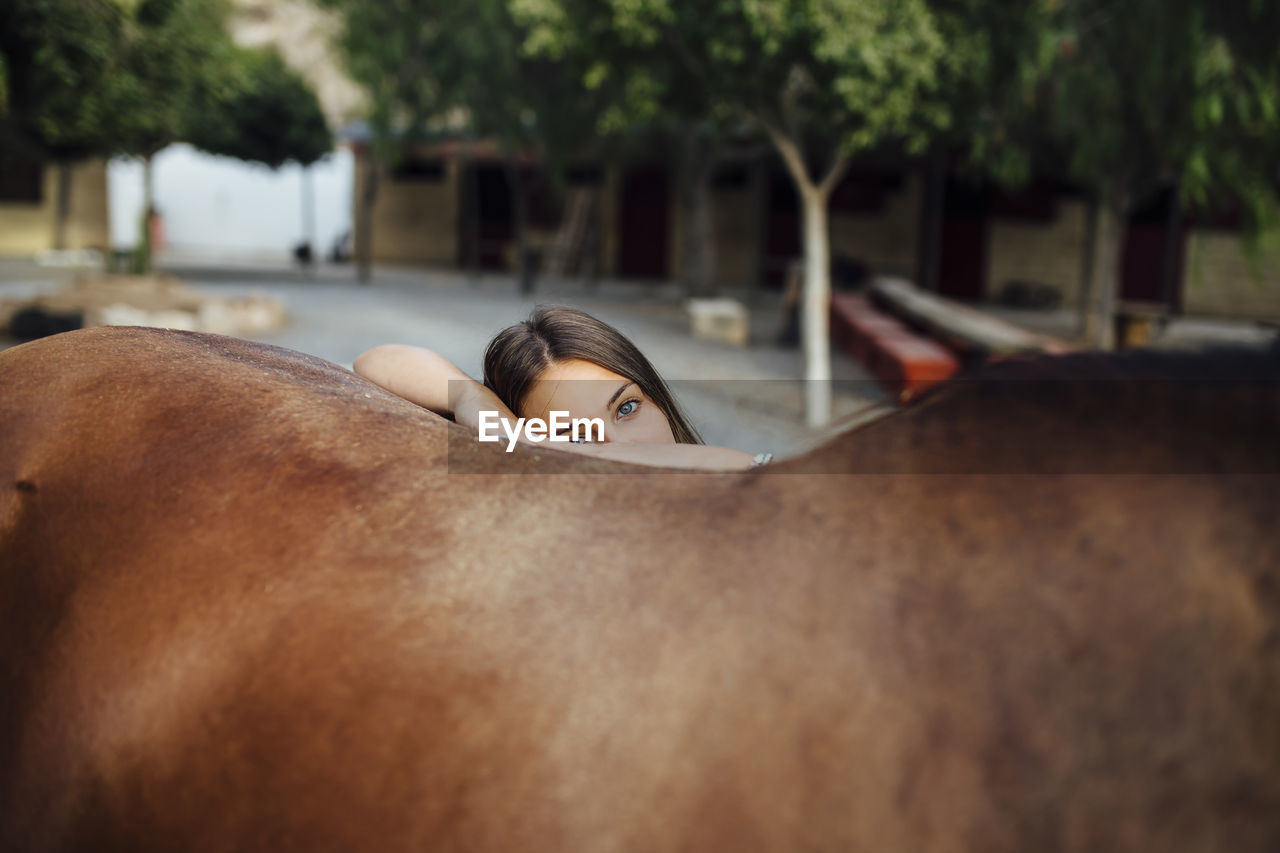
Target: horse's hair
1139	411
1241	363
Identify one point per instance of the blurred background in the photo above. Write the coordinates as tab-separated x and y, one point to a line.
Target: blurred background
871	195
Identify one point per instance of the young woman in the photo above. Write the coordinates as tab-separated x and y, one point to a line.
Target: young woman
564	360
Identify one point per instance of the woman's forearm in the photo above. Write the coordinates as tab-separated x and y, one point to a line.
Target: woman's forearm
429	380
419	375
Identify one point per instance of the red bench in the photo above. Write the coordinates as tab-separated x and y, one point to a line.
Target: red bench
903	360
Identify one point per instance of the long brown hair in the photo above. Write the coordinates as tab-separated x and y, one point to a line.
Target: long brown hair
518	354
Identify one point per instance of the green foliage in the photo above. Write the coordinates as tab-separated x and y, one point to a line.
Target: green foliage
990	85
265	114
389	48
824	79
154	13
526	103
1122	99
436	66
170	51
637	85
833	76
1127	97
103	77
97	77
88	78
56	56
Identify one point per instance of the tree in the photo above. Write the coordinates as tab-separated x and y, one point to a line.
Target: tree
432	67
1180	94
987	80
87	78
168	51
532	107
54	61
647	95
267	114
388	49
824	80
101	77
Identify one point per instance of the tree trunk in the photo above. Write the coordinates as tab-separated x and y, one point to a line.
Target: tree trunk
470	212
1169	266
308	216
364	217
703	282
1106	272
816	307
698	234
759	220
148	184
590	269
524	263
142	256
935	188
64	206
815	303
1084	300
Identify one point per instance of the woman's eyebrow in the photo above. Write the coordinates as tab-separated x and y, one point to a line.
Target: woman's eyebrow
616	394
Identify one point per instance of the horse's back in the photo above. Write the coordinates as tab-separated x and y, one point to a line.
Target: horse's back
243	603
194	531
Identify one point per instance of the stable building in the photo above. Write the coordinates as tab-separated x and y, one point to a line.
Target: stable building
29	206
449	205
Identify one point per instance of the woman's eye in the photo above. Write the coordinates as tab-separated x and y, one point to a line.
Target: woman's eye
628	408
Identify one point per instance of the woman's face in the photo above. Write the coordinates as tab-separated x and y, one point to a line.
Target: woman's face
587	390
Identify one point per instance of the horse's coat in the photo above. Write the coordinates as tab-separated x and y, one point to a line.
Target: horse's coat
244	605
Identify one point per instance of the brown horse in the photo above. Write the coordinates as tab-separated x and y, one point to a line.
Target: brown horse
248	600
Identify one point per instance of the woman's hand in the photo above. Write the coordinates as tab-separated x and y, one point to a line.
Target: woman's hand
472	398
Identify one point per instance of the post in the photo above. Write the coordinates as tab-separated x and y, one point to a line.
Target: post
64	205
697	237
524	263
1169	266
470	224
759	194
1106	272
364	212
142	255
1084	299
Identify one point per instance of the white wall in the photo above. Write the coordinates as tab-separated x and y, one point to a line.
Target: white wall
217	206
